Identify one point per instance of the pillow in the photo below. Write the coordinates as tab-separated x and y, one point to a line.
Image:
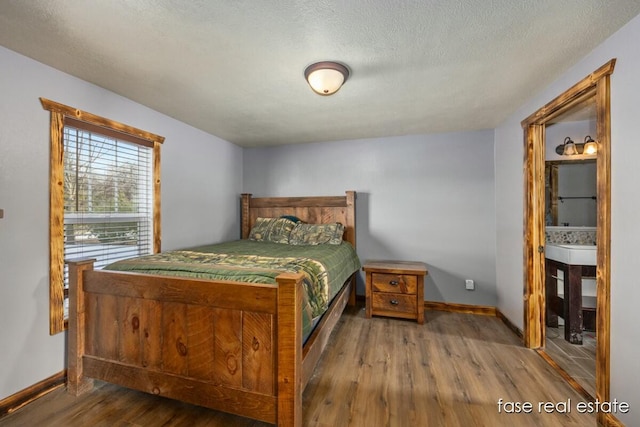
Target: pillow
316	234
291	218
275	230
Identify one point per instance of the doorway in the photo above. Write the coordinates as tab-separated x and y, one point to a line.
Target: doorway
570	251
596	86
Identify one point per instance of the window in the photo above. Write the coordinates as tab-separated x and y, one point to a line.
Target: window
105	192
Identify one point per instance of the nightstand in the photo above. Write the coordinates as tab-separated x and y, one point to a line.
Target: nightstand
395	289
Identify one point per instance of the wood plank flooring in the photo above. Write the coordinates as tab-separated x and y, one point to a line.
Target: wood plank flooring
451	371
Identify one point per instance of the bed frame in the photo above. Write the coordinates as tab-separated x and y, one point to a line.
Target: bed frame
230	346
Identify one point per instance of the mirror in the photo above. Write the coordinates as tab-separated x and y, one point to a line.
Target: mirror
570	188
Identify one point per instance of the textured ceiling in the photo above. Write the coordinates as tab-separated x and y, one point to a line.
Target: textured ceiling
235	68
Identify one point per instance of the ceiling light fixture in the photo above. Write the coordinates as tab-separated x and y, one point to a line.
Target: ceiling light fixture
325	78
570	148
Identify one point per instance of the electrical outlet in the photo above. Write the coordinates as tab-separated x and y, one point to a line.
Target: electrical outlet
470	285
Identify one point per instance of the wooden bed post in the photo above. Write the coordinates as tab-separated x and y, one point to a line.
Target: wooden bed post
77	383
351	217
244	215
351	237
289	331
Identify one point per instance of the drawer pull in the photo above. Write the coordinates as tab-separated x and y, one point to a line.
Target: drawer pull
394	302
393	282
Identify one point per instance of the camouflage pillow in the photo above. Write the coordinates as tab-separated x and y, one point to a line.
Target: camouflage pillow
275	230
316	234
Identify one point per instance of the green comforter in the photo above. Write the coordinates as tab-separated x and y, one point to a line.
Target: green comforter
325	267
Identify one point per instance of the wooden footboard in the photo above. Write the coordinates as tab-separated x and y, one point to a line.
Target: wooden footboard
230	346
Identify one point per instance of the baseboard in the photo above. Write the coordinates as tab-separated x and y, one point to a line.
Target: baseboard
483	310
460	308
510	324
610	420
565	375
29	394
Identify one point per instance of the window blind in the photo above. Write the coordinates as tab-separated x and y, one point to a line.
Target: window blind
108	196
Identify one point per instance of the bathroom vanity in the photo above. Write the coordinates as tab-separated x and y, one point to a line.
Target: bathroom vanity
575	262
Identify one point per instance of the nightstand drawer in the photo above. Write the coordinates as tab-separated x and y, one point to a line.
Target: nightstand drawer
397	303
395	283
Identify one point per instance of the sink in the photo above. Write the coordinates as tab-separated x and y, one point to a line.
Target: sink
571	254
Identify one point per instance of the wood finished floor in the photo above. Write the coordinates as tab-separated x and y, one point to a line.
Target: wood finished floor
451	371
578	360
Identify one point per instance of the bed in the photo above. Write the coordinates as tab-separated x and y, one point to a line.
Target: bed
225	344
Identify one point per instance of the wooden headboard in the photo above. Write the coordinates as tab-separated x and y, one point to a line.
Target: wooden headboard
313	210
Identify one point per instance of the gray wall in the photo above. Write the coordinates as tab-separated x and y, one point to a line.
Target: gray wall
625	205
201	180
426	198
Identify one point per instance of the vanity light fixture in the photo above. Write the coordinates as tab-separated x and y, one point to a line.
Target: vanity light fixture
567	148
590	146
570	148
325	78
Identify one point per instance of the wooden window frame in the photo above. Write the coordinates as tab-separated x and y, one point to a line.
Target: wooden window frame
59	114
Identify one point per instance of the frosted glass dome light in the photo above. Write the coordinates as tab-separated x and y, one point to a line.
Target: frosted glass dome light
325	78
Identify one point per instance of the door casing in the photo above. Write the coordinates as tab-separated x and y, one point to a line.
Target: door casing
596	84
